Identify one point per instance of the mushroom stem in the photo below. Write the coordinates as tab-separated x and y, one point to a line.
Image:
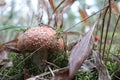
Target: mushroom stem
40	56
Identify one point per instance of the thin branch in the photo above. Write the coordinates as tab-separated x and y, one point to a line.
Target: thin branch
59	5
102	29
51	64
47	73
51	71
108	25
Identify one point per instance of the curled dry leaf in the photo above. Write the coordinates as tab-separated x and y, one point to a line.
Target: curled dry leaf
115	8
81	52
102	70
83	15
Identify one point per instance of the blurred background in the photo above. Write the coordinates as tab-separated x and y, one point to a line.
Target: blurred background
17	15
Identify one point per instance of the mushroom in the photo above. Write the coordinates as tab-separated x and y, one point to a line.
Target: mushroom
40	39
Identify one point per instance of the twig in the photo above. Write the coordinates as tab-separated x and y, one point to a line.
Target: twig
51	64
108	25
46	73
102	29
59	5
51	71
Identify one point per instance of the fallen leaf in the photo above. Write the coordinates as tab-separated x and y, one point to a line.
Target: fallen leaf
100	66
81	52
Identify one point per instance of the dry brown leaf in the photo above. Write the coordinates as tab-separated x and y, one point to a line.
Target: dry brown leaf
4	62
115	8
102	70
83	15
81	52
5	49
52	4
68	3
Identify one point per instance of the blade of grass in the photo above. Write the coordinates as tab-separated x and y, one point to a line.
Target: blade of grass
12	27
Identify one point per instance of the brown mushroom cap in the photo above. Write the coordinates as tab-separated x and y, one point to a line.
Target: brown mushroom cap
58	45
42	37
